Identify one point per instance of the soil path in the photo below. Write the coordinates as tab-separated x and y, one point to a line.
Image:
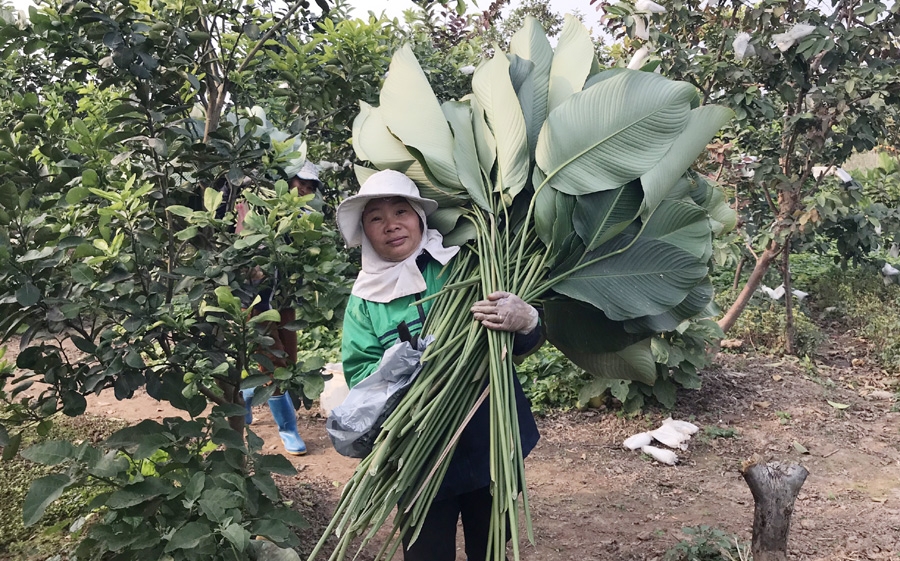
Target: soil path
592	499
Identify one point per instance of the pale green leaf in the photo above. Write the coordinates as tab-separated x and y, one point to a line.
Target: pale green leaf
837	405
459	115
634	118
485	143
212	198
268	315
363	173
634	278
530	43
463	232
373	142
425	129
572	62
703	123
444	220
494	92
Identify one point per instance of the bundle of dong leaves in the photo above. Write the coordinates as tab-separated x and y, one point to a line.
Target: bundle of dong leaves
566	185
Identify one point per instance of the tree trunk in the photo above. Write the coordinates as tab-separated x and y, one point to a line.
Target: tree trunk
737	273
759	271
775	487
790	330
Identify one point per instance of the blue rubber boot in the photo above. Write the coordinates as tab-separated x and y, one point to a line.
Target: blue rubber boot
286	419
248	403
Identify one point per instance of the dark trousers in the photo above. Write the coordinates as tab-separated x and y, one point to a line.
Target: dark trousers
437	540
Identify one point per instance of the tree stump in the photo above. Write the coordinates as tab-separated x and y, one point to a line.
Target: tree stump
775	487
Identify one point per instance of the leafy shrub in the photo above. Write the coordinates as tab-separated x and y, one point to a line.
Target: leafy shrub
708	544
550	380
163	494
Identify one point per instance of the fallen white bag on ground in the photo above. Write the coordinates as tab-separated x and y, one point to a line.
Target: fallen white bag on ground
667	457
682	426
671	437
638	441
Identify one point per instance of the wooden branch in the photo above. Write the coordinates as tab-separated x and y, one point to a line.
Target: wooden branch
775	487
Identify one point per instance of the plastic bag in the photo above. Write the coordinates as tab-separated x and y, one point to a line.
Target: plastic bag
354	424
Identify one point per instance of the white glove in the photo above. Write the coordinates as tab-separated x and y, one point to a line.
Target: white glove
503	311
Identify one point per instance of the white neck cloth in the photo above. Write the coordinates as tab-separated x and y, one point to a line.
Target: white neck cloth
383	281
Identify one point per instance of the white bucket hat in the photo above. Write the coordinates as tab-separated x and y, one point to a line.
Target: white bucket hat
310	172
383	184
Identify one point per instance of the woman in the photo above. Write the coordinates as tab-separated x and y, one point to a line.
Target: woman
402	261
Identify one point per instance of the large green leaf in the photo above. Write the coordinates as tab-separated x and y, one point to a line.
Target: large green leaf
459	115
612	133
413	114
578	326
599	217
695	303
634	362
444	220
188	536
544	207
640	277
372	141
494	91
572	62
563	226
702	125
49	452
530	43
485	143
712	197
42	492
684	224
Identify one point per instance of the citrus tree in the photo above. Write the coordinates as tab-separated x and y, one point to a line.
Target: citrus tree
121	268
810	84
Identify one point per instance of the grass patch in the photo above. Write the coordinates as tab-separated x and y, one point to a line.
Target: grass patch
860	301
49	535
704	543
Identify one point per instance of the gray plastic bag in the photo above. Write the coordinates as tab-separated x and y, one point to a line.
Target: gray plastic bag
354	424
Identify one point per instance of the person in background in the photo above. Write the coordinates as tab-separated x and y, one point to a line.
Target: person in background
402	262
306	182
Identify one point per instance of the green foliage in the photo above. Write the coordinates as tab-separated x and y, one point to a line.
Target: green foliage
705	543
550	380
163	492
762	327
859	299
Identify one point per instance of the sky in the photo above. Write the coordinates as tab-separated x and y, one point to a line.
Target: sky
394	8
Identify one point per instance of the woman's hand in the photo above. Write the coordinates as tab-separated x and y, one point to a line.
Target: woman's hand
503	311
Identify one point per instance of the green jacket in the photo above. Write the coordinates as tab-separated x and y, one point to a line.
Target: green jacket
370	328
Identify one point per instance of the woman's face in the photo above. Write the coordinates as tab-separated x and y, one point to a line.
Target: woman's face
392	227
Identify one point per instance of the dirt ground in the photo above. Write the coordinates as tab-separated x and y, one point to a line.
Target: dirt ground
593	499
